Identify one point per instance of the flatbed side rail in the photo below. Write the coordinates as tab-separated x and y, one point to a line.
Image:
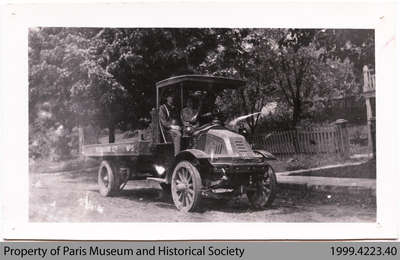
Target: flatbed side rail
131	148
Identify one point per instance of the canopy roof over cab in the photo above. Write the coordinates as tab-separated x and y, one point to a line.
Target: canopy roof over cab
201	82
182	85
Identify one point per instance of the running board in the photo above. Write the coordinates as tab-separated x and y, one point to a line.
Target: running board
160	180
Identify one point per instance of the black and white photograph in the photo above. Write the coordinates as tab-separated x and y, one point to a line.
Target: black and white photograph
201	125
212	121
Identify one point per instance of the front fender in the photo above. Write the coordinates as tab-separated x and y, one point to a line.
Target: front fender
197	157
193	152
265	154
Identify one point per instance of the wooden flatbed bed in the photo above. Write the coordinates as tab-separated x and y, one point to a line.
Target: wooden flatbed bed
130	147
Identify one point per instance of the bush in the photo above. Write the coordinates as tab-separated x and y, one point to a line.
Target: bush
39	146
55	144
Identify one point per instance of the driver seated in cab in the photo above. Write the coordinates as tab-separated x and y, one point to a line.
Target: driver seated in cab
169	120
190	114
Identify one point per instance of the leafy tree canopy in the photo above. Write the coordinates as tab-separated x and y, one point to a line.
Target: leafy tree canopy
106	76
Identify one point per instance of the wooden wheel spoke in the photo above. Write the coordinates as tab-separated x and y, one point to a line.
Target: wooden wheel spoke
178	176
265	190
189	179
187	200
188	176
184	200
185	174
190	195
180	185
182	175
186	185
180	196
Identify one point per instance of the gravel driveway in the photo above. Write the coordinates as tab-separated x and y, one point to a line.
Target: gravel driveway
73	197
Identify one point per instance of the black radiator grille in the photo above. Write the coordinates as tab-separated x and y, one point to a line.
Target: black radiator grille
218	148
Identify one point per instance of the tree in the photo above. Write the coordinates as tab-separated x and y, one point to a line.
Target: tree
238	55
306	67
358	46
106	76
138	58
64	73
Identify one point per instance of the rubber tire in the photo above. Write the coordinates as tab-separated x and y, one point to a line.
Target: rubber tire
113	183
197	185
259	203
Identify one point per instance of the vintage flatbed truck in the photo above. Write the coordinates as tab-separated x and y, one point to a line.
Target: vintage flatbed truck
213	160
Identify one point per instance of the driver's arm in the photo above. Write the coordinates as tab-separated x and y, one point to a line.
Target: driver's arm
164	118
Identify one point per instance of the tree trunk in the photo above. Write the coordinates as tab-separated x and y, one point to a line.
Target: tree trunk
111	133
296	114
252	122
295	121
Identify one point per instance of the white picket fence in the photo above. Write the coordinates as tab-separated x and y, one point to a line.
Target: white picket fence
332	139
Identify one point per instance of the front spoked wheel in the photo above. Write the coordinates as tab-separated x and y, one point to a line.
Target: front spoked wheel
186	186
265	192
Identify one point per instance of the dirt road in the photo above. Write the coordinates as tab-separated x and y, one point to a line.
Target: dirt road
73	197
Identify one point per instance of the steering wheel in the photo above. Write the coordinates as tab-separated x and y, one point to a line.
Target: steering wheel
206	115
216	112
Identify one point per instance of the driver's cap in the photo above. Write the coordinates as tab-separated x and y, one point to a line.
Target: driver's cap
197	93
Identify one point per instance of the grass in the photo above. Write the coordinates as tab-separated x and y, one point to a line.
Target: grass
299	162
366	169
309	161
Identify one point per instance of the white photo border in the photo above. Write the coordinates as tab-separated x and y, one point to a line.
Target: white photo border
15	21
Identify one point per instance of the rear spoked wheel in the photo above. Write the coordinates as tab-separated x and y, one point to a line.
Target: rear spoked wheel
265	192
186	186
108	180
